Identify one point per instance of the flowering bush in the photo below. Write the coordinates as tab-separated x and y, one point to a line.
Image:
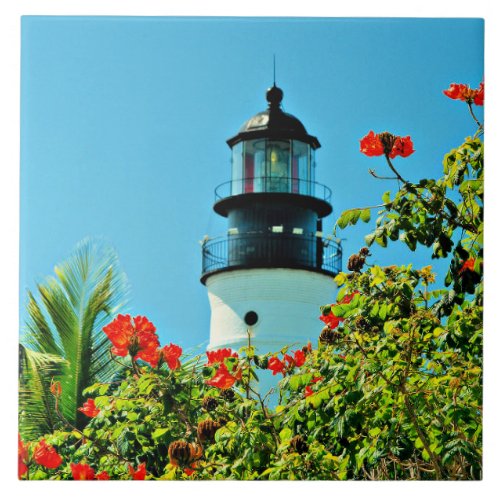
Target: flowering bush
391	390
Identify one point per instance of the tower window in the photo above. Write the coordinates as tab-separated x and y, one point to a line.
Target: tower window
251	317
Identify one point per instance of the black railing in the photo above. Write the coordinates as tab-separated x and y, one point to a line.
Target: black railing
271	184
272	249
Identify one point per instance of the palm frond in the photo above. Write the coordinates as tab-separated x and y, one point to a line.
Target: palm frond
37	414
88	291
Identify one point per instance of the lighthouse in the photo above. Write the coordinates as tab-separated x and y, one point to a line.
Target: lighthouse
268	276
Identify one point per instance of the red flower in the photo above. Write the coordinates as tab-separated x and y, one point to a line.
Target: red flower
46	455
299	358
136	337
220	355
276	365
403	146
189	471
348	297
331	320
102	476
82	472
308	391
222	379
140	473
288	360
120	332
171	354
370	145
22	455
479	98
89	408
468	265
463	92
454	91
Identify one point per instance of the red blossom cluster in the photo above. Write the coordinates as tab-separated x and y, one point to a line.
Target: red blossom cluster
463	92
282	366
45	455
89	408
391	145
223	378
82	472
138	474
330	319
220	355
171	354
138	338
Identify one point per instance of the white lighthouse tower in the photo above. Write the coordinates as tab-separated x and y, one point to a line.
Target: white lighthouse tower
274	268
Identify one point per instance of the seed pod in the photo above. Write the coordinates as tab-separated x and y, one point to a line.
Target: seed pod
298	444
179	453
387	140
355	262
327	336
206	430
183	454
209	403
227	394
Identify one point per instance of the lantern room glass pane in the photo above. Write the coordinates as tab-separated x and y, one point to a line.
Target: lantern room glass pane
301	180
237	169
278	171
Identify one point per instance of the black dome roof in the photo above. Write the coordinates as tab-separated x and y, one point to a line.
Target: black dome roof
274	123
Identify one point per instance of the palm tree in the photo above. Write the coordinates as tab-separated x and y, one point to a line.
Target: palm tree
63	335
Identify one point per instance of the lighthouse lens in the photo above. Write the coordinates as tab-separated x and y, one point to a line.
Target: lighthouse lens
251	318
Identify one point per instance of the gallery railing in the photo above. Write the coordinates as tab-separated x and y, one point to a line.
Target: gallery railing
272	250
273	184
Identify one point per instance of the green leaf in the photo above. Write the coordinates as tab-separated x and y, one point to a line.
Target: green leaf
386	197
158	433
286	434
365	215
370	238
382	313
378	276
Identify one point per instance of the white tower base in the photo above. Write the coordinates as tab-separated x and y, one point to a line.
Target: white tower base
286	301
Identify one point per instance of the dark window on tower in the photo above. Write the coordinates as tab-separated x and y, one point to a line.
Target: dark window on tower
251	318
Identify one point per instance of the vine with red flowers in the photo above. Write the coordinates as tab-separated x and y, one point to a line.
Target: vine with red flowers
392	389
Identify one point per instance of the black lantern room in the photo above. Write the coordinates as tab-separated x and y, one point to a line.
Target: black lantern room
273	205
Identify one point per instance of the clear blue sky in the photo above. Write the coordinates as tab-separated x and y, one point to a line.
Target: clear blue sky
124	123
